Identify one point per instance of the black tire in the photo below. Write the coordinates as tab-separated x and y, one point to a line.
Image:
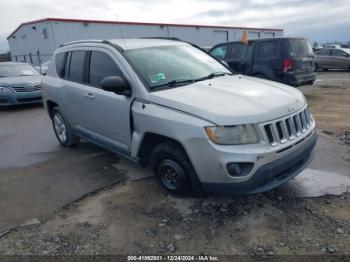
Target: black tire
316	67
67	140
170	160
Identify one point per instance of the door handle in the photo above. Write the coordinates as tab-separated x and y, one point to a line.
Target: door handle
89	96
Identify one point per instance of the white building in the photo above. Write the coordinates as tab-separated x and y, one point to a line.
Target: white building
40	38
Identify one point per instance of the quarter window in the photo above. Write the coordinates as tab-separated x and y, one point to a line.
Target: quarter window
101	66
268	49
219	52
76	70
59	58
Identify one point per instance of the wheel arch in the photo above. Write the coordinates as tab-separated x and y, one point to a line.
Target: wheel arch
149	141
50	105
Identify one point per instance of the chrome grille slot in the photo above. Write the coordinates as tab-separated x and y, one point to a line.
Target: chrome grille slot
25	88
269	133
303	121
287	129
281	131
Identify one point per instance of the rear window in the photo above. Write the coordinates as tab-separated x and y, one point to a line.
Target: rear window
324	52
76	69
300	48
238	51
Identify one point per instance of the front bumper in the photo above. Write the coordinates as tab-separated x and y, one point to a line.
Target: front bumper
15	98
270	175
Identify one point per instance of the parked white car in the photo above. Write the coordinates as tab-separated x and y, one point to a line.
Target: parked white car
172	106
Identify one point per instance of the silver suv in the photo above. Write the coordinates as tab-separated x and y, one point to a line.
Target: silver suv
172	106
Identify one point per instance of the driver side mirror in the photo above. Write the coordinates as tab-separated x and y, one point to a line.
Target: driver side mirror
116	84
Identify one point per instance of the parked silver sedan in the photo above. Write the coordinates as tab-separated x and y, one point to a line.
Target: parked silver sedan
333	58
20	83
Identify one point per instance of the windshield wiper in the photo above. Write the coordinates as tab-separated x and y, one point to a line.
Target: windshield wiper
212	75
173	83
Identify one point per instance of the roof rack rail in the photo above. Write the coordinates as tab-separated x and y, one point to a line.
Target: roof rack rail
119	48
81	42
160	37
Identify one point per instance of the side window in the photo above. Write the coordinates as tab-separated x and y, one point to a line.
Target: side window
324	52
268	49
337	52
59	58
101	66
76	69
238	51
219	52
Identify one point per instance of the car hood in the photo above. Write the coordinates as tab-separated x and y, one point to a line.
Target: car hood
20	80
232	100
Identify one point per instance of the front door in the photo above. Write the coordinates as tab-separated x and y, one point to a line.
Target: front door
107	115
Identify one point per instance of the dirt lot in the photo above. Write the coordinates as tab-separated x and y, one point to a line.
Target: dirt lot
138	217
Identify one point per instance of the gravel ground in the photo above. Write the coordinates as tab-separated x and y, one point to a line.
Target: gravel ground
123	221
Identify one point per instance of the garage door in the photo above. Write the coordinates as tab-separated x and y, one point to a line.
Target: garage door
220	36
269	34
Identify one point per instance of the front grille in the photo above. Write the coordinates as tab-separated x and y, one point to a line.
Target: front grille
282	130
25	88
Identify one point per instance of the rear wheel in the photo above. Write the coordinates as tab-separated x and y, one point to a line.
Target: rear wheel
173	169
62	129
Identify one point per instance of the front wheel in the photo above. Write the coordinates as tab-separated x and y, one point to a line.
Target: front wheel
62	129
173	169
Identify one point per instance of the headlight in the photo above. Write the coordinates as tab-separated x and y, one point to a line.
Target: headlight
5	89
232	135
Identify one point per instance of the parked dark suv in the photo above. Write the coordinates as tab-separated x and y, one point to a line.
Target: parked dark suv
286	60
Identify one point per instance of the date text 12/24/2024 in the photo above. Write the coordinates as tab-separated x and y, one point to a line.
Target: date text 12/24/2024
173	258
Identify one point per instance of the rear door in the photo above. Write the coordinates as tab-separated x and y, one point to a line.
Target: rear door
266	58
339	59
73	86
323	58
239	58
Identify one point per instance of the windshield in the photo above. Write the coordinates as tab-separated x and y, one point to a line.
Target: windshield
300	48
13	70
174	64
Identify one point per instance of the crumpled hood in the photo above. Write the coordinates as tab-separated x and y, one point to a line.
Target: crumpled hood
231	100
20	80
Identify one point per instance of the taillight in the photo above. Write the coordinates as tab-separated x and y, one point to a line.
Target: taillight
287	65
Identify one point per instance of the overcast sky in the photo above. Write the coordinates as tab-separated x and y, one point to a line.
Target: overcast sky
317	20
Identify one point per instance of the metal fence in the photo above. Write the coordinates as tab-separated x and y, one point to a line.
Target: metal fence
36	59
5	57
